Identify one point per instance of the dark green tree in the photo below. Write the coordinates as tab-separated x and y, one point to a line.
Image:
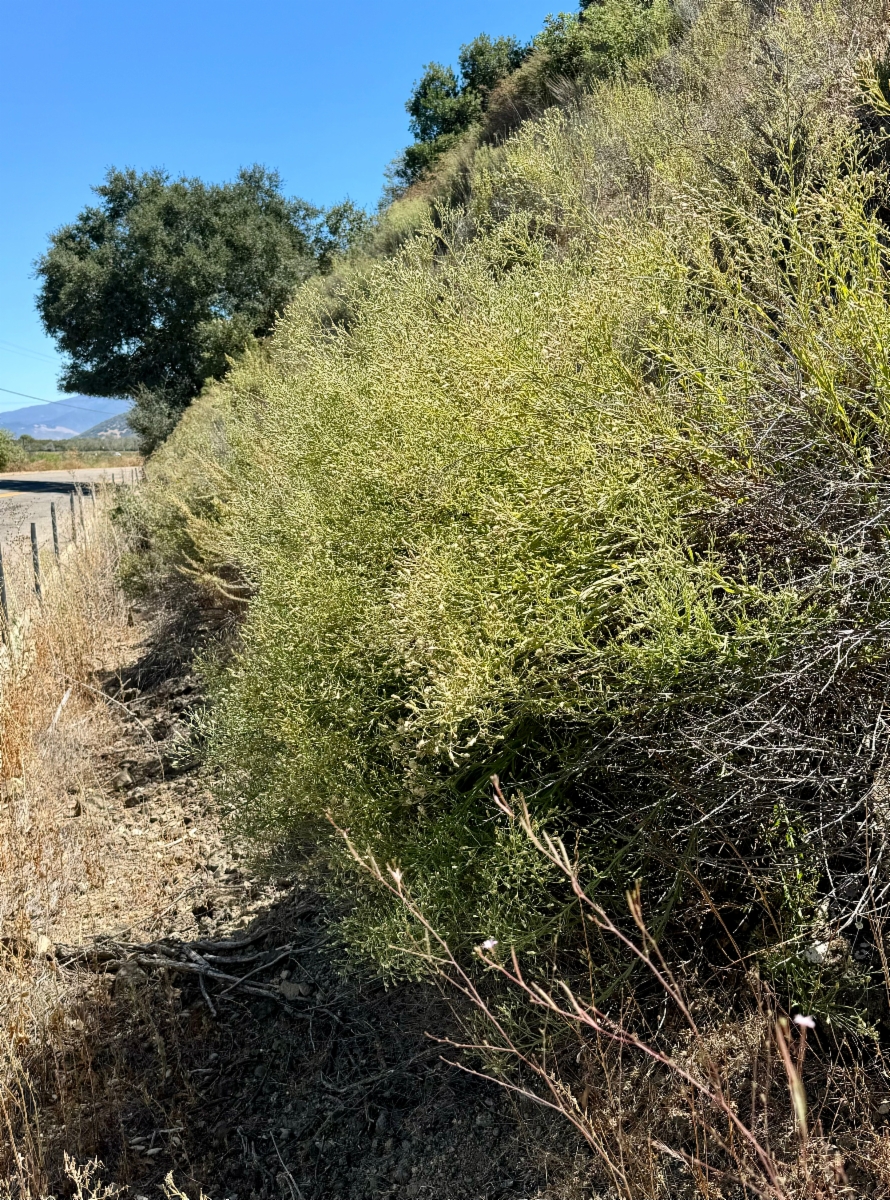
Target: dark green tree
442	106
150	291
484	63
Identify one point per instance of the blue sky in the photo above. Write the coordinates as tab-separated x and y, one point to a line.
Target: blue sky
201	87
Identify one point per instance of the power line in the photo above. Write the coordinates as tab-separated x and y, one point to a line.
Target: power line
64	403
4	345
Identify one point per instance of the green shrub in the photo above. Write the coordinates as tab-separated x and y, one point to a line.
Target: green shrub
586	487
603	38
175	524
7	449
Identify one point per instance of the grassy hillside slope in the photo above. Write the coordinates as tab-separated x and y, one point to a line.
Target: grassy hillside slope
585	485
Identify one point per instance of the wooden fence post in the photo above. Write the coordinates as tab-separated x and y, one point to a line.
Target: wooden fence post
4	599
52	513
35	558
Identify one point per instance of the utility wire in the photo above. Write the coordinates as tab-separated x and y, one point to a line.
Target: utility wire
64	403
15	349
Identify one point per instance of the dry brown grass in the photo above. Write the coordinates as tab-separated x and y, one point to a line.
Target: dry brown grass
51	719
70	865
74	460
680	1087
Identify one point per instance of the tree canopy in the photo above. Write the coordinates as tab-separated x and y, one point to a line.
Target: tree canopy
443	106
152	289
596	42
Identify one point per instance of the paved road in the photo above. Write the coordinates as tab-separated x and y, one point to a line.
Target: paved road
27	497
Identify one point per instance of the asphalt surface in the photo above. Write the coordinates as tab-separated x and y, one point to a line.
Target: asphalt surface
28	497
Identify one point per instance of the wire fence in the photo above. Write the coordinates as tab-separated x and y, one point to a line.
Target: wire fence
31	562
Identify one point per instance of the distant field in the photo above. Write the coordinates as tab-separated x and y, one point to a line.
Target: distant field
62	461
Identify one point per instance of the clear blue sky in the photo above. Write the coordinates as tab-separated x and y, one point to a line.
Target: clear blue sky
201	87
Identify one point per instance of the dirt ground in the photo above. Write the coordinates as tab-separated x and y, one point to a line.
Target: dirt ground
206	1022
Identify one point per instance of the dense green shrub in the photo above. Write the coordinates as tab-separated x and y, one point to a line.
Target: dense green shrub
176	525
603	38
7	449
586	486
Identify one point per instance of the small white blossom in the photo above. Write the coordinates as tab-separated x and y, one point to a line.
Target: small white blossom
489	944
804	1022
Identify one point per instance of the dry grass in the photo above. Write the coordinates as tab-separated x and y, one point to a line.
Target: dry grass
75	460
678	1087
70	865
51	719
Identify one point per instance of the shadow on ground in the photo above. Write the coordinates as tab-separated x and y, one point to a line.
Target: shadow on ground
321	1084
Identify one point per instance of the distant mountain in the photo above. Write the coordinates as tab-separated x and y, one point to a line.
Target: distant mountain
62	418
111	427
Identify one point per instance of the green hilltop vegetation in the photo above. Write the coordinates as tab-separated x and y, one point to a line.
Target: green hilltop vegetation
573	469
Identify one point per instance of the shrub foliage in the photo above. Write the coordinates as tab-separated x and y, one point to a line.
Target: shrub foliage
586	486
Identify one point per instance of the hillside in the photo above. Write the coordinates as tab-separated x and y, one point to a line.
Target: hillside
61	418
536	570
572	490
115	426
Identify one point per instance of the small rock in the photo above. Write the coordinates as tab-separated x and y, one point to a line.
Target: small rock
884	1107
294	991
44	945
816	953
122	780
129	978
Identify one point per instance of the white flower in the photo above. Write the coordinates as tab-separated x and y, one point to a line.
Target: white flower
489	944
804	1022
